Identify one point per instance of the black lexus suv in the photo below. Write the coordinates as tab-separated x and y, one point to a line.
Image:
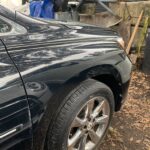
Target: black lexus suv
59	83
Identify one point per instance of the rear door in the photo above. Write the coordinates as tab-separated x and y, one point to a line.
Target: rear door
15	121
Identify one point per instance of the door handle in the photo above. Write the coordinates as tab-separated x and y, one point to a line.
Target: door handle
11	131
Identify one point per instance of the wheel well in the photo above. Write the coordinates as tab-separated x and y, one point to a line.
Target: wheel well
114	85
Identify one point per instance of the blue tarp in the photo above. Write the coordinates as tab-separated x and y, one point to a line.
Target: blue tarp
42	9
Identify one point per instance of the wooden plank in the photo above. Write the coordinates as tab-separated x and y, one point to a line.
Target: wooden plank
134	33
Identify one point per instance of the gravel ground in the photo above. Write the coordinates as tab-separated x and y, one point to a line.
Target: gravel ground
130	128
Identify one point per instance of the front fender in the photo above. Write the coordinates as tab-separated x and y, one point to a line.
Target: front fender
44	105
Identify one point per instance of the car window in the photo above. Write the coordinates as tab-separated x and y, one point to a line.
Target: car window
9	27
4	27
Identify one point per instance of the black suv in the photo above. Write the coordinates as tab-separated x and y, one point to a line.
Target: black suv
59	83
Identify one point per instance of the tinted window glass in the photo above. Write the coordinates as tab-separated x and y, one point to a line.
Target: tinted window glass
4	27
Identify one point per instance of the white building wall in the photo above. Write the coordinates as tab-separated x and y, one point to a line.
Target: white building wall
15	5
11	4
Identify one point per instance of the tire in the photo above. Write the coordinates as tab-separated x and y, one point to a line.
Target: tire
75	116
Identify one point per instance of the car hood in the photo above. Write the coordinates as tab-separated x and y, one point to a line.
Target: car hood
49	45
91	29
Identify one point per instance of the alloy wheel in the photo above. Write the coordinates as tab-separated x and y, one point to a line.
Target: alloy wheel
89	126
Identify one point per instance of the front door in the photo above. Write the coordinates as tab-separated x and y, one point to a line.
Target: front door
15	121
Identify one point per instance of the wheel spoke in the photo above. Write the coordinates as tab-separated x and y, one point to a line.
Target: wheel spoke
101	120
83	142
90	107
78	122
73	140
98	109
93	136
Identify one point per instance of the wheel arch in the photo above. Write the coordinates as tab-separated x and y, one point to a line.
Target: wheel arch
106	74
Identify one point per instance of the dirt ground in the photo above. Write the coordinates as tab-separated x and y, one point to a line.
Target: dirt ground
130	129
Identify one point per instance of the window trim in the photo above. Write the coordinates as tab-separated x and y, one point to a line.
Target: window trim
10	27
16	29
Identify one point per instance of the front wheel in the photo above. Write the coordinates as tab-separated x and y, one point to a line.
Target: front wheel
83	121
